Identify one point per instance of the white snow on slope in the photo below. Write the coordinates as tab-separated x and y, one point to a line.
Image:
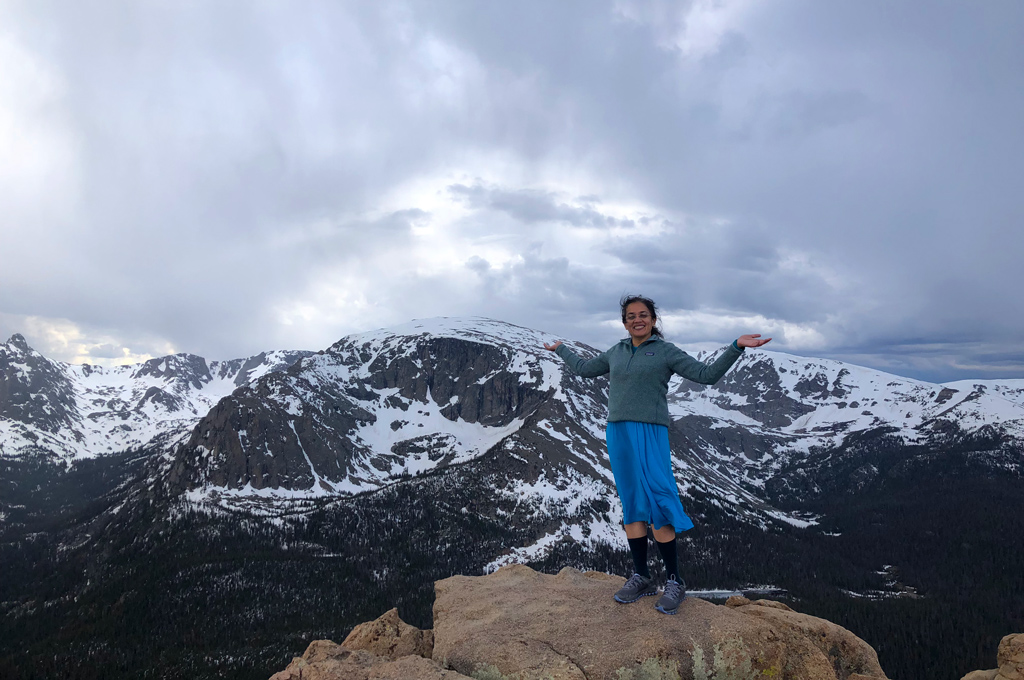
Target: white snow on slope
864	399
125	407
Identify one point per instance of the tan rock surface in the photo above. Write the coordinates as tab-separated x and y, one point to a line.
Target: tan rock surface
846	653
772	604
1010	657
325	660
390	636
518	624
981	675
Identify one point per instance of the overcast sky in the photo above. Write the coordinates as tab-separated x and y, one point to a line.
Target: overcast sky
223	178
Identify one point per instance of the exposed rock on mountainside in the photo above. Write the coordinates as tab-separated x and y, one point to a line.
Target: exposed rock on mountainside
1010	658
380	405
34	390
518	623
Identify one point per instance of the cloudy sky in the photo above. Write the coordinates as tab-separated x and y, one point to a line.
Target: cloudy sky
227	177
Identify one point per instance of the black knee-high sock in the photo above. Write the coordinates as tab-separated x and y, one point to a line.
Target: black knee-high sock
668	556
638	548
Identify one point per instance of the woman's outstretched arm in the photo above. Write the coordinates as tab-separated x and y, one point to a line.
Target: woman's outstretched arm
582	367
708	374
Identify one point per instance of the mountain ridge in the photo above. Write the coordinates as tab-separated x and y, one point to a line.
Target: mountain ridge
873	525
74	411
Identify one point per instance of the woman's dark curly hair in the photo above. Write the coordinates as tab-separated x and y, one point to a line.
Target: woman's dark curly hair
629	299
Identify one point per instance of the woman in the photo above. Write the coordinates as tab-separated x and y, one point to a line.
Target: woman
639	368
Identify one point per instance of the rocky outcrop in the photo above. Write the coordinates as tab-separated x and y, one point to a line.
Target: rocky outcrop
391	637
1010	658
518	624
815	640
325	660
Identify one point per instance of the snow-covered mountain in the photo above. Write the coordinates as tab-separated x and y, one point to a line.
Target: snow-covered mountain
772	408
381	407
378	406
83	411
253	492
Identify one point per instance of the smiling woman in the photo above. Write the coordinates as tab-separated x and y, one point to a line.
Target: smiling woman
639	368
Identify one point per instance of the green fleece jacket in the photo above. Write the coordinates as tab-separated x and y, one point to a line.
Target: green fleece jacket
638	381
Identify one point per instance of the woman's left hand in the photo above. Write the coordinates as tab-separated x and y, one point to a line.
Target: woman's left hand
752	340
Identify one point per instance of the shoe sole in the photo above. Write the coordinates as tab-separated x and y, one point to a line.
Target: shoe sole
638	597
670	612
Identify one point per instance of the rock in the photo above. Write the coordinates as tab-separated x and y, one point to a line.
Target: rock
518	623
1010	657
981	675
391	637
325	660
772	604
815	638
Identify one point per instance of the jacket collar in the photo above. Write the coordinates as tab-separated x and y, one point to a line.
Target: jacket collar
628	342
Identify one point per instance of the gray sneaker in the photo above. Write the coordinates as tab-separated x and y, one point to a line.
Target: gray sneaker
636	587
675	593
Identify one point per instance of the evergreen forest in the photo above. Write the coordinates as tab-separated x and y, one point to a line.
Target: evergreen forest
105	576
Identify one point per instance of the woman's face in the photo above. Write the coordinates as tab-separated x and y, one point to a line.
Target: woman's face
639	322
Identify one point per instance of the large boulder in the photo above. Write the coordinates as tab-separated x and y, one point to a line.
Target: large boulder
982	675
325	660
391	637
518	624
1010	658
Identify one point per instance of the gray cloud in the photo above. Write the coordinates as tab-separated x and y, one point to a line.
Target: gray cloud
532	206
232	177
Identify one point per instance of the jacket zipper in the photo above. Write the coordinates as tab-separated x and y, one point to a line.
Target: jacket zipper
633	353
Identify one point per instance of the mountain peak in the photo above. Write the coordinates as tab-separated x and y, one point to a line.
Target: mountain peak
18	341
452	326
476	329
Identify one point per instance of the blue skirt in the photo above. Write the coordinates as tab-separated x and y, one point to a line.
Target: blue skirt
642	466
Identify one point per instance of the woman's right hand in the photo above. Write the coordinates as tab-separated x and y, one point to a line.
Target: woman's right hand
552	347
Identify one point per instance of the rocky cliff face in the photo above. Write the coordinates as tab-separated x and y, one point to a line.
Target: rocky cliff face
521	624
377	407
35	391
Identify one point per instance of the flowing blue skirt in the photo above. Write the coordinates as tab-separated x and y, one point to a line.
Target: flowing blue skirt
642	466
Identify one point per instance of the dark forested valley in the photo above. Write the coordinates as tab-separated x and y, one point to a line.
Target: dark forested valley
103	580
